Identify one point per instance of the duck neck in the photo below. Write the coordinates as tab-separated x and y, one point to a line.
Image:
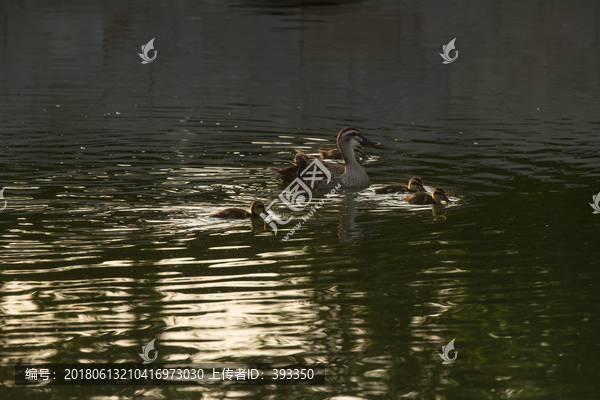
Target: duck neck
349	158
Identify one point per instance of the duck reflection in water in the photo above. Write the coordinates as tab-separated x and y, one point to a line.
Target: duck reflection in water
439	212
348	229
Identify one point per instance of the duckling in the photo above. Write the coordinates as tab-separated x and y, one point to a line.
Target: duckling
349	175
256	208
414	185
439	194
288	174
335	154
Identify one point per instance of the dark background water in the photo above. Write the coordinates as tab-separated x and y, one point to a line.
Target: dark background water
111	168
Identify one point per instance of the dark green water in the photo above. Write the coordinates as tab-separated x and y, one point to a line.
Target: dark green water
112	167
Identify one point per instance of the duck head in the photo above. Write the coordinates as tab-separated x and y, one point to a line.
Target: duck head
256	208
350	137
416	184
439	194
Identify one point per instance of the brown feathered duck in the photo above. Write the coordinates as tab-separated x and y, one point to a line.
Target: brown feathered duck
288	174
256	208
350	174
415	184
422	198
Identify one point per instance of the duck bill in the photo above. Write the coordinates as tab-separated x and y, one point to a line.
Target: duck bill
368	142
447	199
422	189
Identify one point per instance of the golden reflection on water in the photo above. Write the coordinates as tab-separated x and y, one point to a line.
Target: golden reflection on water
211	317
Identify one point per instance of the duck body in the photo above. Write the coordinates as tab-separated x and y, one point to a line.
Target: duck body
256	208
415	184
422	198
352	174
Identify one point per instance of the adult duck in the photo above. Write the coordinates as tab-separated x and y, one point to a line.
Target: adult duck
256	208
288	174
352	174
415	184
421	198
